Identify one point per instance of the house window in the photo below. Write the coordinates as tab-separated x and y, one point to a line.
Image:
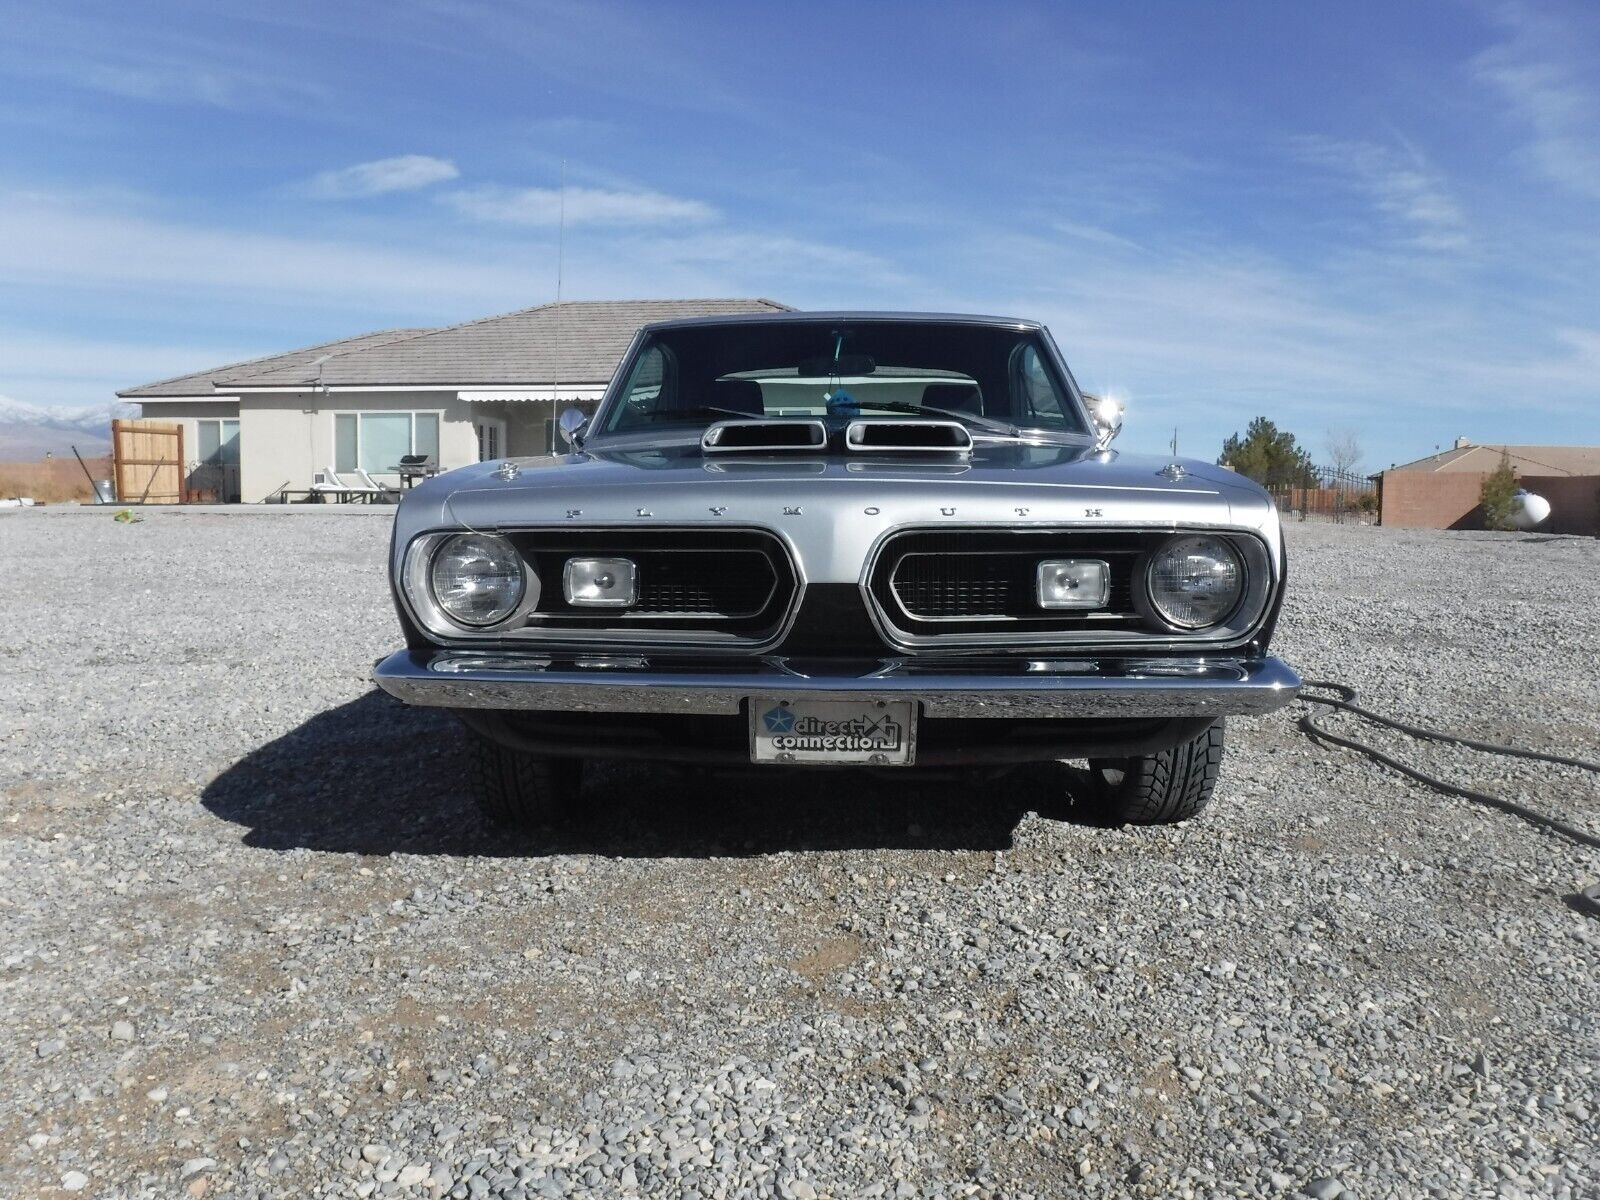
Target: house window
375	441
219	442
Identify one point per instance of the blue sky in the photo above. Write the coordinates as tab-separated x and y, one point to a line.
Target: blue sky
1365	216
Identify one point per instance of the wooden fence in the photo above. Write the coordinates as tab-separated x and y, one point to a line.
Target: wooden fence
148	462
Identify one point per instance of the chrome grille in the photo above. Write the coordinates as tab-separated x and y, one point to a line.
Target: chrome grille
995	585
728	583
735	582
973	588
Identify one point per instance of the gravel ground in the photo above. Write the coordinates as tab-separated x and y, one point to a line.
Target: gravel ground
256	942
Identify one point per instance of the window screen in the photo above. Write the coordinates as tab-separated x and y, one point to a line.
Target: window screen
385	437
427	436
210	440
344	442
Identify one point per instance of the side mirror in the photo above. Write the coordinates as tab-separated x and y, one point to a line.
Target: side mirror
571	424
1107	416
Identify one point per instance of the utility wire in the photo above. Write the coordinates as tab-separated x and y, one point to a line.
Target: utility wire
1346	702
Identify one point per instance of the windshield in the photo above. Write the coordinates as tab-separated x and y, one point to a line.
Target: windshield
995	380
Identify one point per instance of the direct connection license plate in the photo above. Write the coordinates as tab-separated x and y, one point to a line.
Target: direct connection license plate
879	733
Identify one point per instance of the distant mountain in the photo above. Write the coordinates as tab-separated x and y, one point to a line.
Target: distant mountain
29	432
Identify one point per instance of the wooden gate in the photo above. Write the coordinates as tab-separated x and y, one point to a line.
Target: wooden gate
148	462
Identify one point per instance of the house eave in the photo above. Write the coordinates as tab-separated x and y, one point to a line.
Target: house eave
511	385
230	397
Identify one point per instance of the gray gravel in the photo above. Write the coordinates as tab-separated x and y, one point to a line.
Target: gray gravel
255	941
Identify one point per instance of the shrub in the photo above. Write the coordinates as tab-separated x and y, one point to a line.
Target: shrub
1497	497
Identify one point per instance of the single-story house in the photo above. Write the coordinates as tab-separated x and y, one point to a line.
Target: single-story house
486	389
1441	491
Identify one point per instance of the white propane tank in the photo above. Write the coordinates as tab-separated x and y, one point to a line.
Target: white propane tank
1529	510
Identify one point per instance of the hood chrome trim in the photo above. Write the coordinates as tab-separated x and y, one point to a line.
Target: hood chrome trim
943	437
715	438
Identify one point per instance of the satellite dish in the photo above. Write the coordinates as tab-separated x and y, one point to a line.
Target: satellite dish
1528	511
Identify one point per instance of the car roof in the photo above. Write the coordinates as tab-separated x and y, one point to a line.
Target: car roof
800	316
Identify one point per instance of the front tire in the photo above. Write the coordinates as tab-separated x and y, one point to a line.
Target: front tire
518	790
1160	789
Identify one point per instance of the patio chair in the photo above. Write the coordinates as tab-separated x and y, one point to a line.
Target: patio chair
347	490
321	489
383	492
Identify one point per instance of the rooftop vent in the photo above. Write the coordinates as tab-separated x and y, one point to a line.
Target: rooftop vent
908	437
746	437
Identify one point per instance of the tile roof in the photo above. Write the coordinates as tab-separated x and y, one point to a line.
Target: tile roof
1528	460
576	341
201	383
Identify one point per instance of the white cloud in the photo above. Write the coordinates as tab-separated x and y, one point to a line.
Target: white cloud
538	206
1094	234
1535	73
51	241
1400	184
134	57
403	173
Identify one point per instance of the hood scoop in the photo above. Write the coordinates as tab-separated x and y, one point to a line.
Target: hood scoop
755	437
899	436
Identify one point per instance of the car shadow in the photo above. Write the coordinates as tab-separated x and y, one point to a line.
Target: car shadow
378	777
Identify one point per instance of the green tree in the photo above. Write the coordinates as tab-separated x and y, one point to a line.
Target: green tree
1270	456
1497	495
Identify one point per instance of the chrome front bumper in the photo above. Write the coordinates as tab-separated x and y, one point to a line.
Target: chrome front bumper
1173	687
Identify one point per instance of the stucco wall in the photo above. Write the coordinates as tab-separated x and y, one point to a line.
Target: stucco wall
186	413
285	438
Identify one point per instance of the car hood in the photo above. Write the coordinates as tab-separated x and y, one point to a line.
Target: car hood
842	503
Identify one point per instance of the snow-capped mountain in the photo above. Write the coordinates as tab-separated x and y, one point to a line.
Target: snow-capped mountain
29	431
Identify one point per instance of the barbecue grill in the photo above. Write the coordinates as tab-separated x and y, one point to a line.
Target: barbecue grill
414	467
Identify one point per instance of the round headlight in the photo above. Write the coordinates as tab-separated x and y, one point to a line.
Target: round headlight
1195	581
477	578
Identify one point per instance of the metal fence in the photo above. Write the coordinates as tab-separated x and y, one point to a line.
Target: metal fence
213	483
1338	496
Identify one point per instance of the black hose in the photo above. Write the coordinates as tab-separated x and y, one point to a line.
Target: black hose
1346	702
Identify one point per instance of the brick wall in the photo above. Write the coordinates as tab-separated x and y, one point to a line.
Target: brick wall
1430	500
1449	500
1574	502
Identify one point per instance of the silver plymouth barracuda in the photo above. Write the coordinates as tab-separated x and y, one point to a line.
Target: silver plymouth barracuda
825	540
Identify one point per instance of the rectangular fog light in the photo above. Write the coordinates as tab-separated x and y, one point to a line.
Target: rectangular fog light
1073	583
601	582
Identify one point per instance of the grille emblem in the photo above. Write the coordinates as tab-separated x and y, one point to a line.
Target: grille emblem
574	512
873	511
1091	512
949	512
645	512
792	512
718	509
1021	512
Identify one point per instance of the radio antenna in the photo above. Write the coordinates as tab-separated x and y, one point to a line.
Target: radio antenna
561	230
561	258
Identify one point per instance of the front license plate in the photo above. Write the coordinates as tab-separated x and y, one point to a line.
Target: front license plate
879	733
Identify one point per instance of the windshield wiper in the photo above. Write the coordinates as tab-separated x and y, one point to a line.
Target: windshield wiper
702	410
905	406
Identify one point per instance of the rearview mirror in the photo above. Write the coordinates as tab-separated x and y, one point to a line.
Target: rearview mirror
1107	416
571	425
